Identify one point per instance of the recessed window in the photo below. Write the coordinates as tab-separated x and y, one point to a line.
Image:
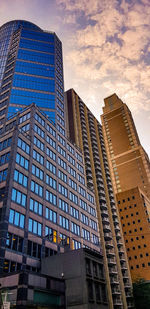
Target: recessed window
125	208
148	263
134	205
141	255
137	213
133	197
131	215
130	231
123	201
135	257
130	206
143	265
135	230
127	216
131	267
129	258
137	266
126	240
120	209
137	238
139	247
128	199
131	239
141	229
133	248
139	220
118	202
145	246
123	224
121	217
128	249
142	237
128	223
147	254
133	222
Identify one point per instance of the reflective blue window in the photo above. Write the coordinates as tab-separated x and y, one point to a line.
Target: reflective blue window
38	157
22	161
36	188
51	115
35	83
34	45
13	110
4	158
3	175
51	182
51	167
36	56
36	207
51	215
51	198
18	197
34	69
35	227
20	178
41	36
16	218
37	172
23	97
24	146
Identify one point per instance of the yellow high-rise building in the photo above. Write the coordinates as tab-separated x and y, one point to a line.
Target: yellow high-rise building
130	171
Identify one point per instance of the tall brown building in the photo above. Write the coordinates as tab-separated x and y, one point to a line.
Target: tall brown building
130	170
86	132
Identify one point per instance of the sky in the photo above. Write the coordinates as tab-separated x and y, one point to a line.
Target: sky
106	49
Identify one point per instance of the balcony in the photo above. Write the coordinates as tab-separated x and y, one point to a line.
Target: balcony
117	302
125	274
114	213
103	206
116	291
116	222
110	252
122	258
105	219
119	244
108	236
118	235
102	198
89	176
109	244
114	281
104	212
112	261
124	267
106	228
121	249
127	284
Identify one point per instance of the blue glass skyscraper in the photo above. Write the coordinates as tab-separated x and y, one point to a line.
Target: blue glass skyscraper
31	70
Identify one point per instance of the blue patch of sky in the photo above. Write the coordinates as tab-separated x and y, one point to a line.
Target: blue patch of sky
113	39
98	65
84	21
146	58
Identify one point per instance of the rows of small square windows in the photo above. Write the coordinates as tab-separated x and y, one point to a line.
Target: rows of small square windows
137	238
138	247
125	208
135	230
143	265
128	199
135	257
127	216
